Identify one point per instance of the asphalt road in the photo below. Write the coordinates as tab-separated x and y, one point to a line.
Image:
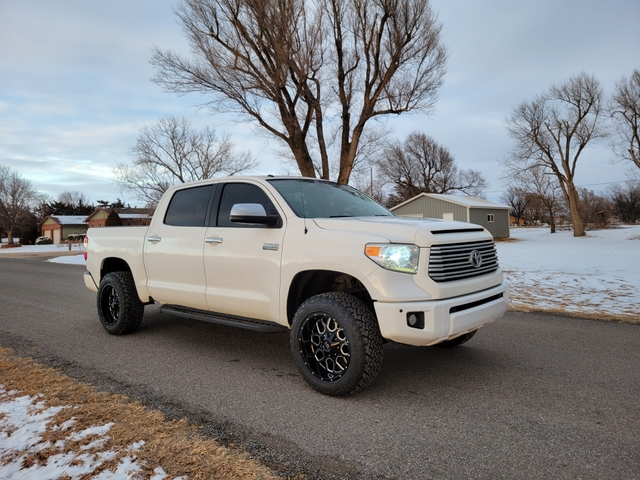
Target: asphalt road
531	396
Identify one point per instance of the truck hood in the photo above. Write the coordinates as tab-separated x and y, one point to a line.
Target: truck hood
418	231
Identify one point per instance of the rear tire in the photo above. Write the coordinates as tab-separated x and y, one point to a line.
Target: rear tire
457	341
336	343
119	308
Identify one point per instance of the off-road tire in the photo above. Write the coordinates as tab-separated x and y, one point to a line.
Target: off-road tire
119	308
336	343
457	341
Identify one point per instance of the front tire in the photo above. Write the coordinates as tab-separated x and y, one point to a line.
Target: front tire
336	343
119	308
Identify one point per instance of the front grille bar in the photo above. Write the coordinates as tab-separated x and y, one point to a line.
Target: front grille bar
452	262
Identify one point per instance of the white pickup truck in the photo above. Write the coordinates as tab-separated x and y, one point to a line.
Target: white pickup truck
312	257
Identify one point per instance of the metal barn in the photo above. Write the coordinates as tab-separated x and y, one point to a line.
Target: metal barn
492	216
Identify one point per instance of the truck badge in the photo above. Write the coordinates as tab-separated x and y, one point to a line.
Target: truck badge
475	258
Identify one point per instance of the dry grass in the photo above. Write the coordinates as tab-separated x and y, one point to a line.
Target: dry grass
175	446
505	239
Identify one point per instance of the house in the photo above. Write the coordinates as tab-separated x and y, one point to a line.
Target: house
492	216
58	227
129	216
518	222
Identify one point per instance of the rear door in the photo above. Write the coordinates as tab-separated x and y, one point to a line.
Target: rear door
243	261
174	249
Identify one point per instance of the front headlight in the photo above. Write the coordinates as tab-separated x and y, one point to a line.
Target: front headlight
399	258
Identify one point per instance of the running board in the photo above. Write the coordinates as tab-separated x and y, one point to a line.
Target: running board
240	322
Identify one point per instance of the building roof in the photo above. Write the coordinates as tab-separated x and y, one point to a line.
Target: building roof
67	219
464	200
124	212
134	215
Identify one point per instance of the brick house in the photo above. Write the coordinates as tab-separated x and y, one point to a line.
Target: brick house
129	216
517	222
58	227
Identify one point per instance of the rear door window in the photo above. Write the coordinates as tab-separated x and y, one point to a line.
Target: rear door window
189	207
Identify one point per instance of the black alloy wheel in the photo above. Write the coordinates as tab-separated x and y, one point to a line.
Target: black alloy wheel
119	307
336	343
325	346
110	305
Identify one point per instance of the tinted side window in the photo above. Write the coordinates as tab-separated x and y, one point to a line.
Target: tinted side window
234	193
188	207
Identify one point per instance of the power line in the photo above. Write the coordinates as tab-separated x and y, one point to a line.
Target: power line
605	183
584	185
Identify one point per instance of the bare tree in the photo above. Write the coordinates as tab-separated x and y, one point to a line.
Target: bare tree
518	199
595	209
371	184
17	197
421	165
625	109
171	152
308	72
626	201
552	131
542	186
68	203
73	198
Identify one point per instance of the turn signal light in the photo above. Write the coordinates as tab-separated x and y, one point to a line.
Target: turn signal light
372	251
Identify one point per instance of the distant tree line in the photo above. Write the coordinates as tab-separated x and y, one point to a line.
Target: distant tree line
620	201
23	207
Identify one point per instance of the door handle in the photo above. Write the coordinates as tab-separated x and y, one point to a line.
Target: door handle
154	238
216	240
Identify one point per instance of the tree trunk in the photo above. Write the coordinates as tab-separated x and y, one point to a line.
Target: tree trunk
10	236
348	153
576	219
303	159
552	221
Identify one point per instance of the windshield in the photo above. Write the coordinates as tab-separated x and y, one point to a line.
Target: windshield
321	199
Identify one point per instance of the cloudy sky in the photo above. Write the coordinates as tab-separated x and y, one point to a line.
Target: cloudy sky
75	83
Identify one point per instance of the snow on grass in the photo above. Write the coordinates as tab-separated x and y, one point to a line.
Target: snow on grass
69	260
597	275
24	421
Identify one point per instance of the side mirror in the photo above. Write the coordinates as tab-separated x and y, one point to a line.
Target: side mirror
252	213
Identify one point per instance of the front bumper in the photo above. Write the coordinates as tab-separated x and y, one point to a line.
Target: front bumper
89	283
443	319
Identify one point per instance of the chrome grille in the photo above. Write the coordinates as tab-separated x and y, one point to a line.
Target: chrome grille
454	261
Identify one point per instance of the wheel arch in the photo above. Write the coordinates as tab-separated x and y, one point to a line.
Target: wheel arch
309	283
114	264
117	264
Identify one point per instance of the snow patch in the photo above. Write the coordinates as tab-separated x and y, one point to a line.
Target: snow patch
596	274
23	422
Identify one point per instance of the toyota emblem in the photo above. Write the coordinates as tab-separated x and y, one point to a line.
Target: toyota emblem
475	258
